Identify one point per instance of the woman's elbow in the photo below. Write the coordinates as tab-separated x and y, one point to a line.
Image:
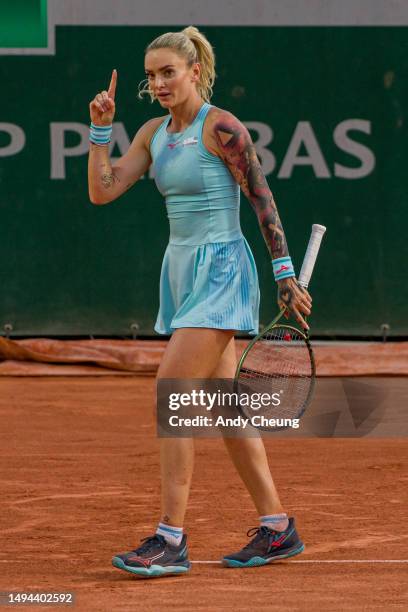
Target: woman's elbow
97	199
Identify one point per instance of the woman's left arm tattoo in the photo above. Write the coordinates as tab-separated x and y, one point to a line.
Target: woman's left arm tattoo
239	154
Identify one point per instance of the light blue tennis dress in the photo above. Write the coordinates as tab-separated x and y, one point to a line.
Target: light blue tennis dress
208	276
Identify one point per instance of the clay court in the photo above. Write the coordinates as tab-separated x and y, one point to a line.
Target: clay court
316	98
79	482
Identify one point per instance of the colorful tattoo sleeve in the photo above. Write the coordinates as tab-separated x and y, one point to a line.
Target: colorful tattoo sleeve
239	154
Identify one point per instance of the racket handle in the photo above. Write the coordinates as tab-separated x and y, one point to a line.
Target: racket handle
311	254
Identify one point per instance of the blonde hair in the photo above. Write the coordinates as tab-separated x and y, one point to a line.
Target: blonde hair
191	44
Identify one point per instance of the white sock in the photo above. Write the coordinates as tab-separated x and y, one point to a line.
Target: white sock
172	535
279	522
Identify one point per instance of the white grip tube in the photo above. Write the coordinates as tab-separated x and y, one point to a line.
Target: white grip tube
311	254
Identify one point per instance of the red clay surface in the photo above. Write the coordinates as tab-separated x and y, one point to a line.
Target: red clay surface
79	482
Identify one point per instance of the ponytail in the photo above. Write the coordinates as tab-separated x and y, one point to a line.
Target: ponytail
206	59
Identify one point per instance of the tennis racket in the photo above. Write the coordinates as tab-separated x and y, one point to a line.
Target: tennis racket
279	362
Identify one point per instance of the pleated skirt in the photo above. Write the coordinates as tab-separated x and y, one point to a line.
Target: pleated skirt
212	285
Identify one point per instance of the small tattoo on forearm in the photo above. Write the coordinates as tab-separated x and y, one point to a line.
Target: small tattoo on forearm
108	179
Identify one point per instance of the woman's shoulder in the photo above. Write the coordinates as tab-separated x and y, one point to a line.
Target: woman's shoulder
219	121
215	114
219	118
149	128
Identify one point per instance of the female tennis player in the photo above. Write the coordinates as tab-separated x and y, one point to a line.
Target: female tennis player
202	156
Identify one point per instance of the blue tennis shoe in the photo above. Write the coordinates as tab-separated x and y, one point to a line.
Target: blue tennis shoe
267	546
154	558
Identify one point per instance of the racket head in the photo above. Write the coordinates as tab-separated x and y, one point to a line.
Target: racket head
279	360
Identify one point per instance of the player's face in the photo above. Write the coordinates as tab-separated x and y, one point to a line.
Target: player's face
170	79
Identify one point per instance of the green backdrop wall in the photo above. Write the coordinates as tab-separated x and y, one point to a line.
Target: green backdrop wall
327	107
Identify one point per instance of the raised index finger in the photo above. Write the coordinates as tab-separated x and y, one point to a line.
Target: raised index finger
112	84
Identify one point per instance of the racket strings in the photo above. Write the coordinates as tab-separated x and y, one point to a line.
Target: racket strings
278	363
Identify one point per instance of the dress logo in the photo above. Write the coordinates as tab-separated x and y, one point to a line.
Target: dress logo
192	140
